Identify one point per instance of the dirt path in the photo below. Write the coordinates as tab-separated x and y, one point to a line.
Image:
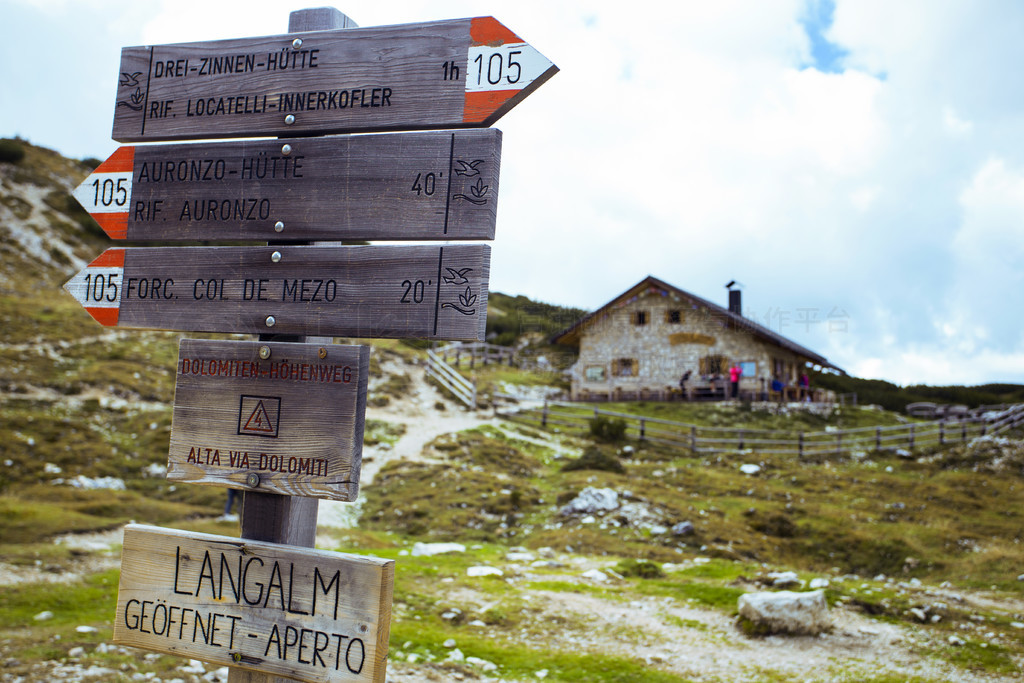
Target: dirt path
423	423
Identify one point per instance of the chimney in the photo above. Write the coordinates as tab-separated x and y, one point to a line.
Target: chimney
734	298
734	302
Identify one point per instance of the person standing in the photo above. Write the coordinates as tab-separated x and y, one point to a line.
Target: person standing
734	377
682	385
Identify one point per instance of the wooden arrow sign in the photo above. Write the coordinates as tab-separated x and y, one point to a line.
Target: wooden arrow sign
426	292
408	186
445	74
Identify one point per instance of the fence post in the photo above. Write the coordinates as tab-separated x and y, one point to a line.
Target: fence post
544	415
878	438
942	433
963	430
740	448
800	447
642	426
911	436
839	444
693	439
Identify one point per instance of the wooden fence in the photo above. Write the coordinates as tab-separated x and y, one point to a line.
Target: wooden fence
803	444
454	355
460	387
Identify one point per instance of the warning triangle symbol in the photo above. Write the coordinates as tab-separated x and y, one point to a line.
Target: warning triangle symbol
259	421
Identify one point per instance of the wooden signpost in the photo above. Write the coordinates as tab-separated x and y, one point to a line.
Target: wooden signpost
439	185
280	419
429	292
310	615
443	74
243	417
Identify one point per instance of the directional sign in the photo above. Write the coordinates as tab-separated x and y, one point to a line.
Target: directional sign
408	186
427	292
309	615
274	417
445	74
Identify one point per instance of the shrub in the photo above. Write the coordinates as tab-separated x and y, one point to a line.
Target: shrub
608	429
642	569
595	458
11	151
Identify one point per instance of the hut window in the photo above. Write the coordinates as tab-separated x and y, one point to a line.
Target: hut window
674	317
625	367
640	317
712	365
594	373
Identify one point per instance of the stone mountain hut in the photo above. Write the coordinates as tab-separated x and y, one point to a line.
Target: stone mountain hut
639	344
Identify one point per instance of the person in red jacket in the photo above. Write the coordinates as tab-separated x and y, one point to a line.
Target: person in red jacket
734	376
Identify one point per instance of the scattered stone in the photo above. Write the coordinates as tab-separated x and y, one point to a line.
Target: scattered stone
477	622
520	557
918	614
476	572
904	453
750	468
76	652
44	615
543	673
86	629
194	667
1020	577
683	529
450	643
1016	624
591	500
482	664
784	579
594	575
787	612
955	641
819	583
658	530
428	549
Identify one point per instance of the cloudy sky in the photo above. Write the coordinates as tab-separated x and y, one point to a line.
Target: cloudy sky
858	166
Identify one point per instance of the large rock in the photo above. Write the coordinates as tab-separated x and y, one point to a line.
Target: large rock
592	500
787	612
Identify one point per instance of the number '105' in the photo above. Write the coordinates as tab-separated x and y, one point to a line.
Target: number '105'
497	67
108	192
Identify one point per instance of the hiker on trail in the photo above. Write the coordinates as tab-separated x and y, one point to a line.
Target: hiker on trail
734	376
682	384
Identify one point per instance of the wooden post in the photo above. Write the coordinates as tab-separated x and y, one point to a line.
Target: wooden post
839	444
740	447
544	415
642	424
878	438
800	447
693	439
911	436
942	433
963	430
268	516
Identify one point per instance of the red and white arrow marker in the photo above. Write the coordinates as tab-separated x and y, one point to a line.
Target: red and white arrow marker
500	66
98	287
106	193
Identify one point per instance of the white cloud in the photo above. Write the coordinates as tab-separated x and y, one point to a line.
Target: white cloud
687	140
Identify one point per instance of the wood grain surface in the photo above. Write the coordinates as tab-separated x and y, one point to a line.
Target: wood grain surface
290	422
442	74
426	292
439	185
309	615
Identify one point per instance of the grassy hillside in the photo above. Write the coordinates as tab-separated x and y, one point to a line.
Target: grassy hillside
83	443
